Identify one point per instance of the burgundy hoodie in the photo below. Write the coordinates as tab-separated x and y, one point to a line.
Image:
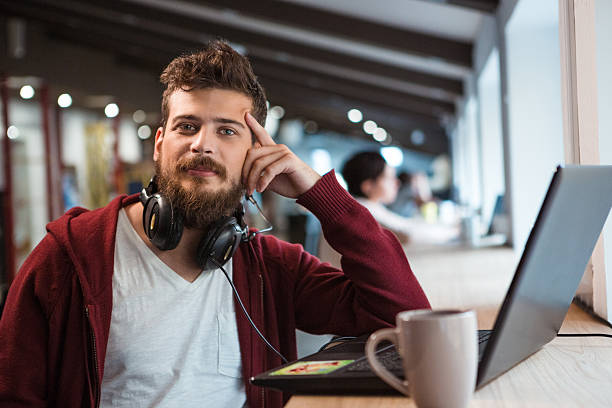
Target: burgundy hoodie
55	325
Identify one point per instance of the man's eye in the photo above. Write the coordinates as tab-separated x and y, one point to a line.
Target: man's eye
187	127
227	132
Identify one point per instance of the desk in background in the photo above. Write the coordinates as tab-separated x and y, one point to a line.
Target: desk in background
568	372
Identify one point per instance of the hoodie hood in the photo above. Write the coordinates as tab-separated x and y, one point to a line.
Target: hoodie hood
88	239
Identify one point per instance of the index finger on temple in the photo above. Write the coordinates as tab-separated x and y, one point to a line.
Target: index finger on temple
260	132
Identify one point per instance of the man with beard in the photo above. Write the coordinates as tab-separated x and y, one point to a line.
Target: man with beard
100	315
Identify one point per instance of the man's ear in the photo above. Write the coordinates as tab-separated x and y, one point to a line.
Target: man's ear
366	187
159	138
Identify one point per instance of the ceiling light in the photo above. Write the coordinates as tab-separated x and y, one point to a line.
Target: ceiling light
355	115
26	92
393	155
111	110
144	132
380	134
139	116
417	137
64	100
369	126
277	112
310	126
12	132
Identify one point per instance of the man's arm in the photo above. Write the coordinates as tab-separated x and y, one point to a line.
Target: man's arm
375	282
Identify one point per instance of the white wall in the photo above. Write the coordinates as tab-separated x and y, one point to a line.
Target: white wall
466	156
603	33
535	112
489	102
456	163
130	147
29	173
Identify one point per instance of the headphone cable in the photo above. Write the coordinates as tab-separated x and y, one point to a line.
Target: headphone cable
247	314
269	228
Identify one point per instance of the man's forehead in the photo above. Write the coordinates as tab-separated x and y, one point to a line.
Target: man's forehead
209	101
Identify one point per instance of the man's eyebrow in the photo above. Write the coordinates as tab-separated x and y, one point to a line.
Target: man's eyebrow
187	117
229	122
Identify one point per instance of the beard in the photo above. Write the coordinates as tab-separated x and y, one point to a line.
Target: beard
199	208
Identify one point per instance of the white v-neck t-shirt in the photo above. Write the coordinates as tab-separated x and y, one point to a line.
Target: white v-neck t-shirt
172	343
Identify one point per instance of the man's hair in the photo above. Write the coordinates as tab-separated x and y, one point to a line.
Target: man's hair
217	66
361	167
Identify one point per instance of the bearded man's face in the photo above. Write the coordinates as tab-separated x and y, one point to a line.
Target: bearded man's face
200	153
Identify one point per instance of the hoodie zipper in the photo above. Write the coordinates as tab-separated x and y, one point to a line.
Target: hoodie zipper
94	352
261	305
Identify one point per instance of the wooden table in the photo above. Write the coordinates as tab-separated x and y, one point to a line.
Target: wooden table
568	372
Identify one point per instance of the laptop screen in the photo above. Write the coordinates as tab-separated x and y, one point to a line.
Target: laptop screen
561	242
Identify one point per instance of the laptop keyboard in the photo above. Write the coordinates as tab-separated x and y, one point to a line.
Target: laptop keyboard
388	356
483	335
392	361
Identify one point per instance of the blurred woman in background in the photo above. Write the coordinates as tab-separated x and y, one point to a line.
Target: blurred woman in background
374	184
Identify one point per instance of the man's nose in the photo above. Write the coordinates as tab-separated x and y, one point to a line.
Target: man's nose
204	142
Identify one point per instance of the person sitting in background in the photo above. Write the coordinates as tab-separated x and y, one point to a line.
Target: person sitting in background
405	203
374	184
415	197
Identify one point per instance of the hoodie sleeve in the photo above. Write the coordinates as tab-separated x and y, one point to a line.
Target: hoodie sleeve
375	282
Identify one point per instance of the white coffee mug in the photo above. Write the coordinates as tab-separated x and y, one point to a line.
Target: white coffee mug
439	351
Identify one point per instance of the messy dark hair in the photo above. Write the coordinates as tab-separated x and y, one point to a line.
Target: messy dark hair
217	66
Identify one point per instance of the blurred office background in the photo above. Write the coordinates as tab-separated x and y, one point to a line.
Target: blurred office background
467	92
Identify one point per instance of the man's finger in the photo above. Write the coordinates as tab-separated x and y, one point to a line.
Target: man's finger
260	169
272	170
253	154
260	133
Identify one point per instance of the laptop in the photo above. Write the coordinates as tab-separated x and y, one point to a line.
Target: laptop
497	226
559	246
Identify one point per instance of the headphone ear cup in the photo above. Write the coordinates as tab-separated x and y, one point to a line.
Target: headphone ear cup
220	243
162	225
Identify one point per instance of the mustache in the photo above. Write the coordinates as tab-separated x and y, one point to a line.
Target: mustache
202	161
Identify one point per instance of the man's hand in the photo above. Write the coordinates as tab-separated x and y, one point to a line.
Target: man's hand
274	166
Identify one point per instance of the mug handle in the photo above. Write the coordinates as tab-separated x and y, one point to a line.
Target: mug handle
380	370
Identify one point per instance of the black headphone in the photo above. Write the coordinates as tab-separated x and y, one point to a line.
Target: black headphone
163	225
